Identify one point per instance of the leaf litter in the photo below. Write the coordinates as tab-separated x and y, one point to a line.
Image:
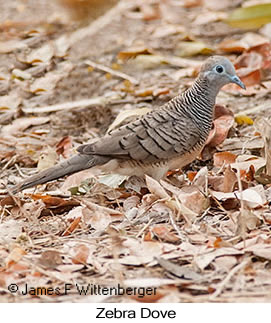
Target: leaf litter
196	235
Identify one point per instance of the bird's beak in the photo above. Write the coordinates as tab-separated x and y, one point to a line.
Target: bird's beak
235	79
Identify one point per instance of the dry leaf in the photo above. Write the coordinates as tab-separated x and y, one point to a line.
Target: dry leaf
225	262
81	254
166	30
41	55
203	260
224	158
250	219
112	180
155	188
50	259
21	124
219	133
15	256
76	179
63	147
262	250
230	179
193	199
264	126
72	227
244	162
132	53
249	67
192	48
10	230
11	45
154	297
243	119
179	271
249	41
164	233
253	197
146	62
250	17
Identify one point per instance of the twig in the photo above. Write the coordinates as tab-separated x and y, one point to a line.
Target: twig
101	22
112	72
242	208
20	171
144	228
258	108
175	226
79	104
228	278
12	159
67	105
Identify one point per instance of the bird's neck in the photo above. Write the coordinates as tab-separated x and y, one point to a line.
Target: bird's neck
200	100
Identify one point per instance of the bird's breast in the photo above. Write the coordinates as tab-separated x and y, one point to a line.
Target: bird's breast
156	170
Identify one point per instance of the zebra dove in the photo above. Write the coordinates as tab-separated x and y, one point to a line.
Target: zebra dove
166	138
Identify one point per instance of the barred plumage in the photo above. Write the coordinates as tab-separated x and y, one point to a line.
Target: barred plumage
168	137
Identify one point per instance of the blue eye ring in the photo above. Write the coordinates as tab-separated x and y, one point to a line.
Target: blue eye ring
219	69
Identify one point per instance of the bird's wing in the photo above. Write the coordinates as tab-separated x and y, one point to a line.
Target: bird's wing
158	135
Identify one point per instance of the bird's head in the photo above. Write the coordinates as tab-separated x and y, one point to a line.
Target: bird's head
219	71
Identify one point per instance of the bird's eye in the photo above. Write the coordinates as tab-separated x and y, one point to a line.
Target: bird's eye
219	69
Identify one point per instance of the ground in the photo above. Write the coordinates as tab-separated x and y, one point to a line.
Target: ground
66	72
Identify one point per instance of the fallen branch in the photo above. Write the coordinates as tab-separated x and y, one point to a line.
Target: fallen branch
112	72
264	106
67	105
228	278
80	104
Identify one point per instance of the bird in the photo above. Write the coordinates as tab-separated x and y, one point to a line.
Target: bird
166	138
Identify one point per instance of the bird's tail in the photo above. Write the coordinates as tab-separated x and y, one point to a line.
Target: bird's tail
72	165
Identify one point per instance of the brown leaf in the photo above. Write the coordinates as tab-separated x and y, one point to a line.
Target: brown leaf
155	188
154	297
205	258
150	12
53	204
72	227
15	256
250	219
230	179
244	162
224	158
249	175
163	233
249	41
221	110
81	254
191	175
21	124
225	262
193	199
253	197
192	48
10	201
50	259
63	147
132	53
192	3
219	133
249	67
